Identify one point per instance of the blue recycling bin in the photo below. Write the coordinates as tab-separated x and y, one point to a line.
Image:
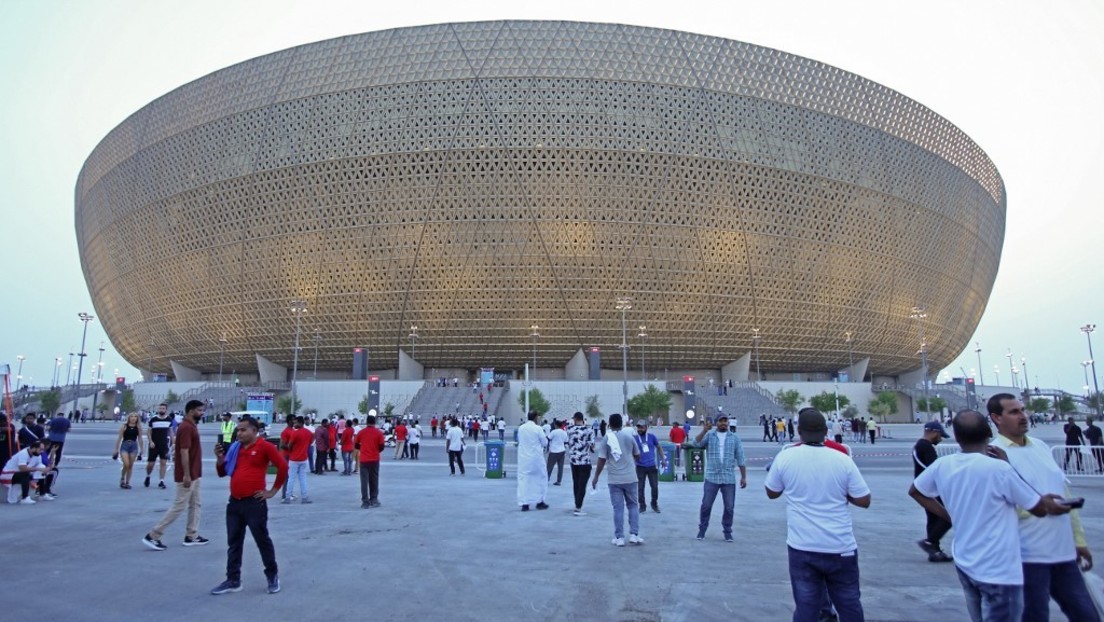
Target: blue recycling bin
667	463
496	454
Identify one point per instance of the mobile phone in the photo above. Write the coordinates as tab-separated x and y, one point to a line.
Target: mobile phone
1073	503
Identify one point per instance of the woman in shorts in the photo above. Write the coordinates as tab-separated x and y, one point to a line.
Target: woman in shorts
128	446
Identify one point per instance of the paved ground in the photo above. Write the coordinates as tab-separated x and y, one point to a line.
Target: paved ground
458	549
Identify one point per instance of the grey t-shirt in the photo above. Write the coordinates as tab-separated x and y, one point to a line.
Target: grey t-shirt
621	471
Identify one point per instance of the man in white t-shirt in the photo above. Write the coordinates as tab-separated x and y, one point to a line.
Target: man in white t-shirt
819	482
557	449
980	496
22	467
1054	546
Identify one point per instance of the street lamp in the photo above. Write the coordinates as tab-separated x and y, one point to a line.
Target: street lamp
920	314
317	342
1085	366
1011	369
413	337
298	307
86	318
623	305
1027	379
848	337
643	335
222	353
99	365
996	370
755	337
1088	329
534	333
19	374
981	376
57	372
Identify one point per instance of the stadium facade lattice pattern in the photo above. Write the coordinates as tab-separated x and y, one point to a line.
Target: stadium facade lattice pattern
474	179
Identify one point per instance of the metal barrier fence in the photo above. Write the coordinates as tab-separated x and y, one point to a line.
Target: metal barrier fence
1072	459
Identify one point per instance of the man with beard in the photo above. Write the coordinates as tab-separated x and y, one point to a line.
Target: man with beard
159	439
532	485
923	455
187	472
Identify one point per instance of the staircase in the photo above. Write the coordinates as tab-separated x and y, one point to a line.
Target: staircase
448	400
743	404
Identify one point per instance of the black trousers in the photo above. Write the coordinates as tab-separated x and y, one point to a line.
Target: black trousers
414	450
23	478
251	513
580	477
652	475
456	457
369	481
333	459
937	528
556	461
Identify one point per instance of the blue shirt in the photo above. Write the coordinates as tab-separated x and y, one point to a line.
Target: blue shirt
59	426
646	458
720	466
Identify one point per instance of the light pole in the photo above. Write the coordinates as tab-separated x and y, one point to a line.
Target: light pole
317	342
1012	369
848	337
57	372
96	390
86	318
996	370
69	370
298	307
1088	330
1085	367
623	305
981	376
755	337
19	374
534	333
920	314
222	353
413	337
1027	379
643	335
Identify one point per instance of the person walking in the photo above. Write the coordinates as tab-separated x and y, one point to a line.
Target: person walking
347	434
298	446
128	445
1074	440
369	442
532	479
321	446
159	443
246	462
400	440
580	442
414	440
187	471
454	446
819	483
618	449
557	450
647	467
1095	438
923	455
724	453
678	437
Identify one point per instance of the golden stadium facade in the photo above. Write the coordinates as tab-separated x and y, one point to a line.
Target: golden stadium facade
475	179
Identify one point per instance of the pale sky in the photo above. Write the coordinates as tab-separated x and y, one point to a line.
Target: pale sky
1024	79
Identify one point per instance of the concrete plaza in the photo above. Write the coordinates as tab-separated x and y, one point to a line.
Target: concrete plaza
457	548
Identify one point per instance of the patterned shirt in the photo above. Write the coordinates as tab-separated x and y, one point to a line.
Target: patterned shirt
720	469
580	440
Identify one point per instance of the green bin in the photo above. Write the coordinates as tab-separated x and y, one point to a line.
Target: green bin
667	464
496	453
695	464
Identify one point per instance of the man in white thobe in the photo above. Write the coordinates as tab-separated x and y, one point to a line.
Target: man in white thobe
532	483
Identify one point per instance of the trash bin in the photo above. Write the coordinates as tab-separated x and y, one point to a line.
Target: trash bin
667	464
695	464
496	452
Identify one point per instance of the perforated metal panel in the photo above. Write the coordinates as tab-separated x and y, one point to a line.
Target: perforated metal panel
475	179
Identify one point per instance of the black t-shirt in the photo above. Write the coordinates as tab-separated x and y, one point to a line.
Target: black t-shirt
30	434
159	430
8	444
925	452
1094	434
1073	434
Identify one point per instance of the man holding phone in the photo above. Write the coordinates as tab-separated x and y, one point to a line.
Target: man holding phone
1053	547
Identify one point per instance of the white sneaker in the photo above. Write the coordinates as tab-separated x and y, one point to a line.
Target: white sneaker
618	542
48	497
579	513
635	539
27	501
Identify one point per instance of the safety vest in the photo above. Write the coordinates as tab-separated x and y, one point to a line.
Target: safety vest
228	428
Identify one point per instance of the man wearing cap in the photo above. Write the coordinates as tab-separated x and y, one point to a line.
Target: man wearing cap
646	466
923	455
724	451
819	483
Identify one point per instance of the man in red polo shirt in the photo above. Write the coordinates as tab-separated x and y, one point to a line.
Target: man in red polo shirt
370	443
246	462
400	440
678	437
347	450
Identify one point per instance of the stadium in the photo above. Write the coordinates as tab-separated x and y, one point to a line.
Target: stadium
500	185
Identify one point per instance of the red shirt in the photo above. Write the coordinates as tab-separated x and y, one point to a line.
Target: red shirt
333	436
285	440
347	439
371	443
251	468
299	442
400	433
678	435
187	437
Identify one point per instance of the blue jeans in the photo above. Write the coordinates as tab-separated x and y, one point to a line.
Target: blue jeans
1062	582
297	471
709	497
622	496
812	574
347	461
989	602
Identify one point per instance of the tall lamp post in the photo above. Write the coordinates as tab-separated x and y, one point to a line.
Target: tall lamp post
1011	369
298	307
99	378
1027	379
86	318
534	334
643	335
623	305
981	376
19	374
222	353
413	337
1085	367
996	371
848	337
1088	330
755	337
317	342
57	372
920	314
